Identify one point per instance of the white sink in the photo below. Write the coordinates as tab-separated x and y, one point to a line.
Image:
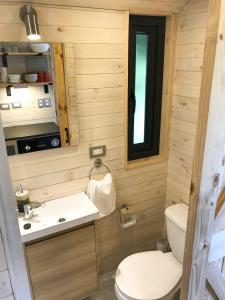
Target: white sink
57	215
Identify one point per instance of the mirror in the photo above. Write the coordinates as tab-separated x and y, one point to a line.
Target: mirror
29	100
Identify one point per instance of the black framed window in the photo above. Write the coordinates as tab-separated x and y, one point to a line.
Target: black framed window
145	82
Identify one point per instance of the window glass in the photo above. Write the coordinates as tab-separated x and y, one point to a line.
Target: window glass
140	86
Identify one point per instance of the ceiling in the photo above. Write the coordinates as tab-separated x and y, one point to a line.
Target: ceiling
134	6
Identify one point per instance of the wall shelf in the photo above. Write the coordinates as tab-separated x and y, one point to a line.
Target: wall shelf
24	84
24	53
8	86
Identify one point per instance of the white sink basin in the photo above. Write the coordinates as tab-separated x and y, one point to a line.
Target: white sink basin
57	215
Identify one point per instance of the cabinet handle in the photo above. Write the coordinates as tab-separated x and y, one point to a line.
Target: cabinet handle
67	135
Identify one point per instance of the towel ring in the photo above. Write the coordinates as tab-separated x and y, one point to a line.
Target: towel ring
97	164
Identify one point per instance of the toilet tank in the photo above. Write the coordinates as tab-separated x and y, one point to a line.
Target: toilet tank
176	224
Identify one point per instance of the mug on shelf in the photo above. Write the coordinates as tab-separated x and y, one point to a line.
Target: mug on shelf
14	78
47	76
31	77
40	76
3	74
44	76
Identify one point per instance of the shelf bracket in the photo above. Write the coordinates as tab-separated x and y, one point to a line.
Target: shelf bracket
46	90
4	60
8	90
5	64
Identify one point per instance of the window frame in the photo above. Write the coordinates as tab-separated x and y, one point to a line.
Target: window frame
155	28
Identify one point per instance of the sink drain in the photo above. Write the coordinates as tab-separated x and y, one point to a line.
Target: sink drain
27	226
61	220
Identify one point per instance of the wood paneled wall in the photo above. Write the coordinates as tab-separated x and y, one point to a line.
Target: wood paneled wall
95	52
151	7
192	24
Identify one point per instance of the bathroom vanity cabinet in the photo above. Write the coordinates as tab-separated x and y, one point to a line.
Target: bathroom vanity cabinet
63	266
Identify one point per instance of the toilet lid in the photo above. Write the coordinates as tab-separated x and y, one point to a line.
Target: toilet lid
148	275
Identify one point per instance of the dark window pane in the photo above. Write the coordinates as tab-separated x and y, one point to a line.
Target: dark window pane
145	78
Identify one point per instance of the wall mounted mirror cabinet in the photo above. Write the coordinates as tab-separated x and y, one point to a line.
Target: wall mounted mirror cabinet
33	98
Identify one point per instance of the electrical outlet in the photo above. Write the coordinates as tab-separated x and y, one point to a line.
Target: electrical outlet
4	106
16	105
97	151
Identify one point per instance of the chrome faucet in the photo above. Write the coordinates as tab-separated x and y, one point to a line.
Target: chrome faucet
30	209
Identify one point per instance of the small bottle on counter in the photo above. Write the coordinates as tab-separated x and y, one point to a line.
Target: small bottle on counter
22	198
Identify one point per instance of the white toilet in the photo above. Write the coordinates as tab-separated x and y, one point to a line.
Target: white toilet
155	275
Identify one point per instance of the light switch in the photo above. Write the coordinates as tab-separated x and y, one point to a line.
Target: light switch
45	102
16	105
4	106
40	103
97	151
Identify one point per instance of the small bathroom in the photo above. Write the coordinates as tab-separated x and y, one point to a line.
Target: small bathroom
99	105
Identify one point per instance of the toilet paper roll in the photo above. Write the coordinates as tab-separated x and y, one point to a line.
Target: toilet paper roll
126	219
131	222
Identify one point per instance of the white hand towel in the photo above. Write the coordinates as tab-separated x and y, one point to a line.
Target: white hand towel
102	193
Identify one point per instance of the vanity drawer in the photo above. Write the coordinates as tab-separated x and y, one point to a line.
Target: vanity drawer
64	267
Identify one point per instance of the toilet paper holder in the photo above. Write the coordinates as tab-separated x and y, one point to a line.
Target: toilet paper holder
126	218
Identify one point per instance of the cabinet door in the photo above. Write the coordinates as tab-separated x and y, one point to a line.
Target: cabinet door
64	267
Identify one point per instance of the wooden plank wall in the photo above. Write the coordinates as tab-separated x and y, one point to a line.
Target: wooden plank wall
149	7
211	154
207	77
96	88
192	23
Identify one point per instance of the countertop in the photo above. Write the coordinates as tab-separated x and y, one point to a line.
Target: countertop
31	130
58	215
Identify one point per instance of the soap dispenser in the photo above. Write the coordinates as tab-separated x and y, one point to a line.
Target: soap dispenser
22	198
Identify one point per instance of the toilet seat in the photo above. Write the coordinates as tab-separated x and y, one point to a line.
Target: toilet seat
147	276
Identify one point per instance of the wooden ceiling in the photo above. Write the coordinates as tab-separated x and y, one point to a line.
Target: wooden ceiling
134	6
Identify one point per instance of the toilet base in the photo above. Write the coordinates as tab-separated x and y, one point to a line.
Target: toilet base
119	296
172	295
